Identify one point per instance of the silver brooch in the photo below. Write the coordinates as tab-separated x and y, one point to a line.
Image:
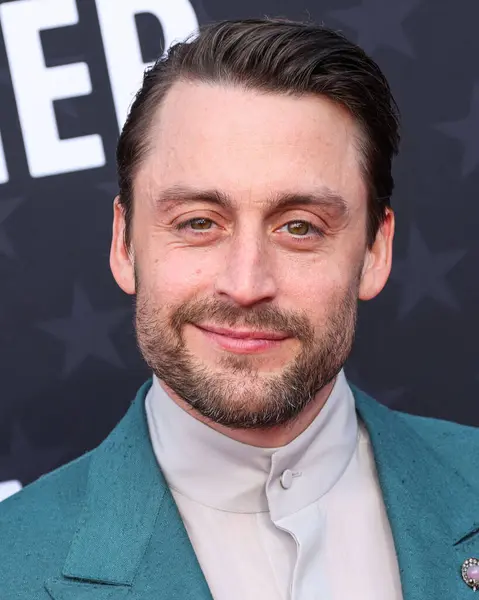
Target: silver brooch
470	573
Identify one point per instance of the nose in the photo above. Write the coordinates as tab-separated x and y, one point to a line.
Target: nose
246	275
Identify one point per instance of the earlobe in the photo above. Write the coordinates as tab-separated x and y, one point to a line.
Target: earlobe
378	260
121	257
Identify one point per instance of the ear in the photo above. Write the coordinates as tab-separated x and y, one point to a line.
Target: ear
377	265
121	258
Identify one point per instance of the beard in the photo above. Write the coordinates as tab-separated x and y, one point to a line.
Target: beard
237	394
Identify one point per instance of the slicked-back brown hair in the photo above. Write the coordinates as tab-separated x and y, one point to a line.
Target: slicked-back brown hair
279	57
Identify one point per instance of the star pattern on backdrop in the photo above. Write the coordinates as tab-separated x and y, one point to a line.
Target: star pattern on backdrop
466	130
379	24
422	274
90	344
7	207
86	332
26	459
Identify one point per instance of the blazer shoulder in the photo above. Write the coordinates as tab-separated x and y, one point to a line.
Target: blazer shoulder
452	443
59	488
37	525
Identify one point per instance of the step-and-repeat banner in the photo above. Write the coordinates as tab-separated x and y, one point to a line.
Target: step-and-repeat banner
69	366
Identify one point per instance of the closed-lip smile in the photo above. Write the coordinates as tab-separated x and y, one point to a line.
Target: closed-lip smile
244	334
242	341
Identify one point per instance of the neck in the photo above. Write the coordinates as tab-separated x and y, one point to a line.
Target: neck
273	437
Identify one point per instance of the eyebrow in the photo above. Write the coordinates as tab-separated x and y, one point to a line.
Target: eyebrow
324	198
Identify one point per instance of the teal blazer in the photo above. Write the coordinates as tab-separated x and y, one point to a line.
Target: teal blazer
105	527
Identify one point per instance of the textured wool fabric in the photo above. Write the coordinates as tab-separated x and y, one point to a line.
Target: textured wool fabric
106	527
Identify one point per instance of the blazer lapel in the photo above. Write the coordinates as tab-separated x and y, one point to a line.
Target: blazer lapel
433	510
131	541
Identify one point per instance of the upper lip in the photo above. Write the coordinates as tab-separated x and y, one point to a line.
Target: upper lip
245	333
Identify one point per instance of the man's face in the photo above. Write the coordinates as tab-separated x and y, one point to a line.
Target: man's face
249	246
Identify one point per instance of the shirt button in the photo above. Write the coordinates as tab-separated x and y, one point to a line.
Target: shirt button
286	479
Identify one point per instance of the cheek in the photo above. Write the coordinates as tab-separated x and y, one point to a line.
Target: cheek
177	275
315	287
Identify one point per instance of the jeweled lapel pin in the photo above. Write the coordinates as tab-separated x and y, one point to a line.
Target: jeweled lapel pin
470	573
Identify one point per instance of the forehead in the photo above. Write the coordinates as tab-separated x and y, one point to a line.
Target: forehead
251	145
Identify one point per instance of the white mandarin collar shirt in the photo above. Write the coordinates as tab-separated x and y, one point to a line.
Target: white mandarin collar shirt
281	523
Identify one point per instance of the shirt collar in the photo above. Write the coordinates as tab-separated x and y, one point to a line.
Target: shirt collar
212	469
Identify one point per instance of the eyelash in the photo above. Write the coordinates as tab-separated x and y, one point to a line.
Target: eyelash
184	224
316	230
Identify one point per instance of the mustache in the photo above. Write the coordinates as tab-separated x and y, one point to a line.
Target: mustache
257	317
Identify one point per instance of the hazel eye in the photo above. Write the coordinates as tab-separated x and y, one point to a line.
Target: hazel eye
200	224
300	228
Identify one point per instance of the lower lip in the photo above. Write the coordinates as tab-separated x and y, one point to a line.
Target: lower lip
241	345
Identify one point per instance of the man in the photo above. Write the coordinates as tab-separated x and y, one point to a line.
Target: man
253	213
